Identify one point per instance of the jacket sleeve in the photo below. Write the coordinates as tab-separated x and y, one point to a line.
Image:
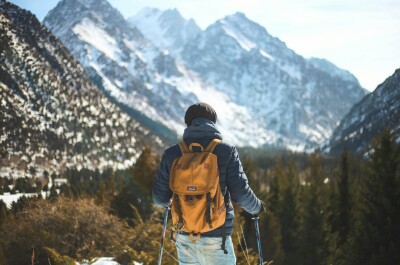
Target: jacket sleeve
238	186
162	194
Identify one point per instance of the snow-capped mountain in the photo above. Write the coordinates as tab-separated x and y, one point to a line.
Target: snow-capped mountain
300	100
166	29
138	74
264	93
377	111
52	115
126	64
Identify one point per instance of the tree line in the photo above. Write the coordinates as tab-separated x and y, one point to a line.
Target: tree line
321	210
341	210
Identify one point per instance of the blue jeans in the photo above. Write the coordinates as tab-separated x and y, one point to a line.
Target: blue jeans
206	251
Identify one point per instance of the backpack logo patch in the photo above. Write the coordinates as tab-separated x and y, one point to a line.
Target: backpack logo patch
191	188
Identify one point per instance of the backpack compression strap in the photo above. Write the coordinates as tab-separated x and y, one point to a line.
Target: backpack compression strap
181	222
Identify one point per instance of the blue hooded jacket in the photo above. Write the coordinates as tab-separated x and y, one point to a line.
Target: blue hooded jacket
232	178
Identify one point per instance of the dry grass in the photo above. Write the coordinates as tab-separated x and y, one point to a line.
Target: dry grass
75	228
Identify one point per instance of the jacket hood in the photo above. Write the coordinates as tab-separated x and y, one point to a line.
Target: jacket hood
201	128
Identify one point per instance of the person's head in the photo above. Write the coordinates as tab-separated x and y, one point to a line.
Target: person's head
198	110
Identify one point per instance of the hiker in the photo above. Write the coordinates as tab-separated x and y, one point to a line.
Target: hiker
203	236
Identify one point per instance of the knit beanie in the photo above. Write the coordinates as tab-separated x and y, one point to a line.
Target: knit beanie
200	110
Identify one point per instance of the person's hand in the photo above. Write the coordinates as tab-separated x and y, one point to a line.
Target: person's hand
263	209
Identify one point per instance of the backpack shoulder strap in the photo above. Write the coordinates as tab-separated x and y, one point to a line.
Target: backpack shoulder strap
212	145
184	148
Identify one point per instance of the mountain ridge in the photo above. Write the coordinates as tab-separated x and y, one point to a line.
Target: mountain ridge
264	91
377	111
174	28
149	79
294	98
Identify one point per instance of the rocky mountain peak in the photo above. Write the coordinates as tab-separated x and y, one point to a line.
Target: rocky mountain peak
261	89
97	12
167	29
297	99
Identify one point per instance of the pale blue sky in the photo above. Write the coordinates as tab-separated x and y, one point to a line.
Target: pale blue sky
362	36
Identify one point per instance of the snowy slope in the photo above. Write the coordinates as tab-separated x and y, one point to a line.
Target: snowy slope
377	111
332	70
52	115
300	100
264	93
138	74
166	29
106	261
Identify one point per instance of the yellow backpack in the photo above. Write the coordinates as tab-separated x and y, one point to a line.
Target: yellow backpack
197	202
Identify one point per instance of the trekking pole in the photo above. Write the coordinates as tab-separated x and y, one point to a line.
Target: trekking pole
163	234
256	218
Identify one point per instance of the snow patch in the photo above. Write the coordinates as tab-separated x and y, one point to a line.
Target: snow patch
89	32
266	55
105	261
8	198
244	42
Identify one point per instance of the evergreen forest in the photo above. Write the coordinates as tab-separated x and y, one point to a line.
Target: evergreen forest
342	210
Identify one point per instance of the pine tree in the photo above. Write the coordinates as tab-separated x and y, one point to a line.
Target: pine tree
53	192
268	224
288	216
106	190
343	224
130	206
274	190
66	191
38	184
111	187
32	171
137	192
145	169
376	236
271	241
3	212
6	188
339	212
20	185
101	195
312	247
